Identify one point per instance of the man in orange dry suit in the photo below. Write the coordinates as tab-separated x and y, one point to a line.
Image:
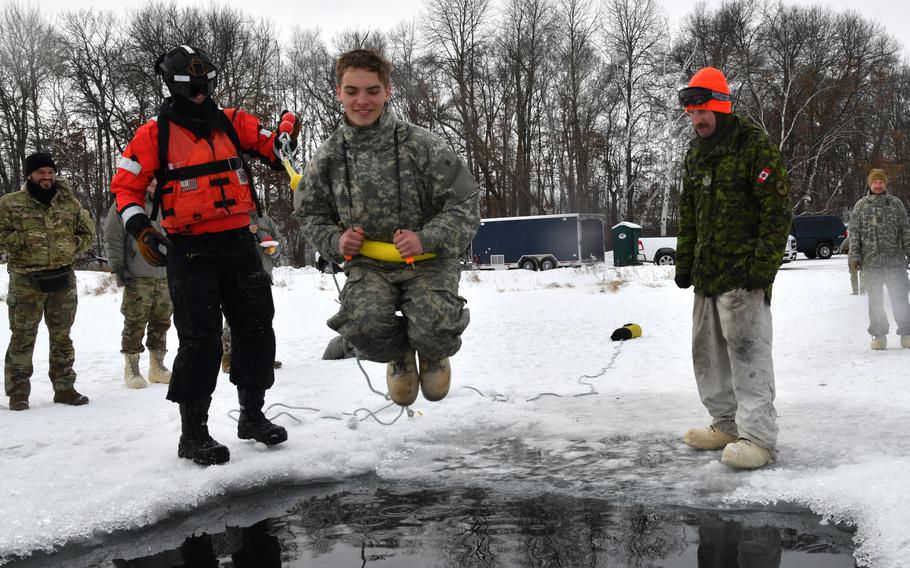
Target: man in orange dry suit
194	150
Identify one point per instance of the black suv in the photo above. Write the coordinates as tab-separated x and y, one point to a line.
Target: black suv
818	236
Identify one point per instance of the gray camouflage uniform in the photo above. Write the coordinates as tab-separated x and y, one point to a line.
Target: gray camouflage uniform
146	299
393	175
267	231
880	240
39	238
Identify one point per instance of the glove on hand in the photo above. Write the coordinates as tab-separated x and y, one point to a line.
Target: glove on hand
682	280
150	242
123	277
856	265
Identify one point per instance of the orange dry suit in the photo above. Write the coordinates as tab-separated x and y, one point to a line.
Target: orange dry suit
205	187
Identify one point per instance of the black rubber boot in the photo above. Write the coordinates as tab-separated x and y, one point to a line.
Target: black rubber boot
195	442
253	425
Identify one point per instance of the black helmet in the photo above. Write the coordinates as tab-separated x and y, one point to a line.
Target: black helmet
187	71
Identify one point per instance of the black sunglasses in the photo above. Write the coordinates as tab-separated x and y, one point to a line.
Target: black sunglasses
691	96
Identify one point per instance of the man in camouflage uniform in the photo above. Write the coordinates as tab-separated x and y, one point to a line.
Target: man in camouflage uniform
383	179
733	222
265	232
42	229
880	246
146	299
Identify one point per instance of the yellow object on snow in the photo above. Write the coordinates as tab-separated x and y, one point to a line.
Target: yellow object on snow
628	331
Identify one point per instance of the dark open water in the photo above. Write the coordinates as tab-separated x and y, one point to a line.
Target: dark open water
369	522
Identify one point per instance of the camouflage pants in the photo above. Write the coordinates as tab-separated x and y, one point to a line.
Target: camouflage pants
146	302
433	314
731	354
27	304
874	281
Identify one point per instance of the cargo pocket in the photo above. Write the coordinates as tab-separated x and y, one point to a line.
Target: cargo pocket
253	305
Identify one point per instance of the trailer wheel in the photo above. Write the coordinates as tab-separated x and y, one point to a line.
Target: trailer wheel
528	264
547	264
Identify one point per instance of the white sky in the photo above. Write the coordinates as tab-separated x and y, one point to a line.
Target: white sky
335	16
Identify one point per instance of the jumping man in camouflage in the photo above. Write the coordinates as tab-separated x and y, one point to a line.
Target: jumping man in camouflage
880	247
146	299
733	222
383	179
42	229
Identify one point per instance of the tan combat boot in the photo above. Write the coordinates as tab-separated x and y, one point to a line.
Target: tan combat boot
435	377
905	341
402	380
707	438
879	342
131	375
745	454
158	373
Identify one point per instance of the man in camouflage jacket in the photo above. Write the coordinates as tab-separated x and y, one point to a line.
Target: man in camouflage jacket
42	229
383	179
146	299
734	220
880	246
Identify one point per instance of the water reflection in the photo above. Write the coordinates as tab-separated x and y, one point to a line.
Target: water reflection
477	528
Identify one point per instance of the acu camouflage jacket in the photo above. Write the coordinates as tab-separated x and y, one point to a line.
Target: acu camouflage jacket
734	212
394	175
879	232
39	237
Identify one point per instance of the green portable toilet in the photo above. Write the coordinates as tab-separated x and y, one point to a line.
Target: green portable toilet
625	244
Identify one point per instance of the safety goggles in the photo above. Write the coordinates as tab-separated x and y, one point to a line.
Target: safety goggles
694	96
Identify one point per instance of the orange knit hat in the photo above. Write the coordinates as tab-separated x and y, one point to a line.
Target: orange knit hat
707	90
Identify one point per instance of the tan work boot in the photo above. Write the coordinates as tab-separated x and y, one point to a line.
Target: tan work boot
435	377
745	454
71	397
226	363
707	438
905	341
18	402
158	373
402	380
131	375
880	342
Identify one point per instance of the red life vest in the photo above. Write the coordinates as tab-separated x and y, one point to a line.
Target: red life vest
205	180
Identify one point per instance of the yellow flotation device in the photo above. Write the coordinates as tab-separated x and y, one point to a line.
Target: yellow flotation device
377	250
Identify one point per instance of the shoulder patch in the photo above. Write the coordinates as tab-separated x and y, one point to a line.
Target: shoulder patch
763	176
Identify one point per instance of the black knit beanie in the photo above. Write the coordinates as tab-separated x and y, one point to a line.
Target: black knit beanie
38	160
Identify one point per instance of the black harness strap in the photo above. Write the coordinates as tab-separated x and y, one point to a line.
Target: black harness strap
164	176
206	169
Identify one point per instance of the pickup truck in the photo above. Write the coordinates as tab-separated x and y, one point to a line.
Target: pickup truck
662	250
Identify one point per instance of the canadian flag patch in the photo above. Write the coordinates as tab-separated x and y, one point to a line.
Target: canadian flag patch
763	176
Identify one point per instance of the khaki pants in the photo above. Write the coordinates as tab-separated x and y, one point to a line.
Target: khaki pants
731	354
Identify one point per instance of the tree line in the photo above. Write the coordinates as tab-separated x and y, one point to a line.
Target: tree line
556	106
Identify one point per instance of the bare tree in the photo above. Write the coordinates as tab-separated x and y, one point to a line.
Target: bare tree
633	33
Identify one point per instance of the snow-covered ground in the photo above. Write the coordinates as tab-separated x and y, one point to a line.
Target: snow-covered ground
72	473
